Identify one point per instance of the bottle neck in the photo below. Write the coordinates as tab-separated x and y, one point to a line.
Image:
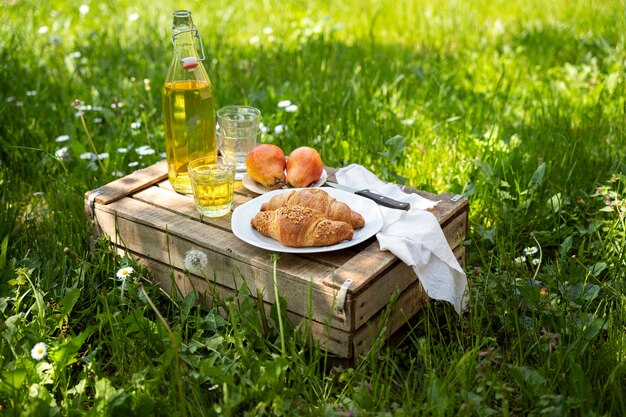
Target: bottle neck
186	41
183	33
182	18
185	46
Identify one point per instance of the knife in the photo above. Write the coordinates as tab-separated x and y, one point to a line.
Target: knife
379	199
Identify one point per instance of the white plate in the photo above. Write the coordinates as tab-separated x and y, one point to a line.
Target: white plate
240	222
255	187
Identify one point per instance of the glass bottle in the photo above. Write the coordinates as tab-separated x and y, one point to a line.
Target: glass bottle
188	104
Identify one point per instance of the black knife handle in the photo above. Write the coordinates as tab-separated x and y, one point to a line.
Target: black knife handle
383	201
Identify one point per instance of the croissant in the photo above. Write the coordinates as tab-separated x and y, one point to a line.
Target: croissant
298	226
320	200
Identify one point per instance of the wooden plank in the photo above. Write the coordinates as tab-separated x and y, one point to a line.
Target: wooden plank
129	184
459	253
333	340
377	295
224	252
161	242
166	185
384	323
200	234
455	230
451	210
361	269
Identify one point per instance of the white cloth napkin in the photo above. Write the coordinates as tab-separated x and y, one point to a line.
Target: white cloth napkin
415	237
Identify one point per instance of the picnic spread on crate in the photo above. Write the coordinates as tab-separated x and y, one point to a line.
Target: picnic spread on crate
216	210
341	293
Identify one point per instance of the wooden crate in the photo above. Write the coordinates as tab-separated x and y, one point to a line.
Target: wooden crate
145	218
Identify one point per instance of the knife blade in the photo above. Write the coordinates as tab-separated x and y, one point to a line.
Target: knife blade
378	198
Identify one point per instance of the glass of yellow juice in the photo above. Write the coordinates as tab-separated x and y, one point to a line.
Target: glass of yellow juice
212	183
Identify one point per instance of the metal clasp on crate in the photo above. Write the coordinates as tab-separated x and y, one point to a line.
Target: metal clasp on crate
341	297
196	34
91	201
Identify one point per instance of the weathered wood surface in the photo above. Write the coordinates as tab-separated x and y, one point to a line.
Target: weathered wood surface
339	342
142	214
334	340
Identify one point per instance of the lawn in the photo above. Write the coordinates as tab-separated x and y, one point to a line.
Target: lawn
519	105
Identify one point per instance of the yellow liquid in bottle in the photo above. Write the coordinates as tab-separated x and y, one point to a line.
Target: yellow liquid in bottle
189	120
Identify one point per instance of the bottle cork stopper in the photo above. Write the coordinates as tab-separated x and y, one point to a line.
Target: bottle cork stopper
189	63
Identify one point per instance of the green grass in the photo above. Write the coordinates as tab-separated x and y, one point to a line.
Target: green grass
517	104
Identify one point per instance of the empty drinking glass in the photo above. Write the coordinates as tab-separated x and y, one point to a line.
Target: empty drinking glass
236	147
239	120
238	129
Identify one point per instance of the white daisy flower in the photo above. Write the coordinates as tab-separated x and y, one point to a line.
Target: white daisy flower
43	30
535	261
520	259
87	156
103	155
62	153
291	108
39	351
284	103
133	17
263	128
531	250
124	272
145	150
133	164
278	129
31	93
62	138
267	30
135	125
122	150
83	9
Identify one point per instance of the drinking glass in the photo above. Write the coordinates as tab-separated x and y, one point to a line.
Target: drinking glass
213	183
236	147
239	120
